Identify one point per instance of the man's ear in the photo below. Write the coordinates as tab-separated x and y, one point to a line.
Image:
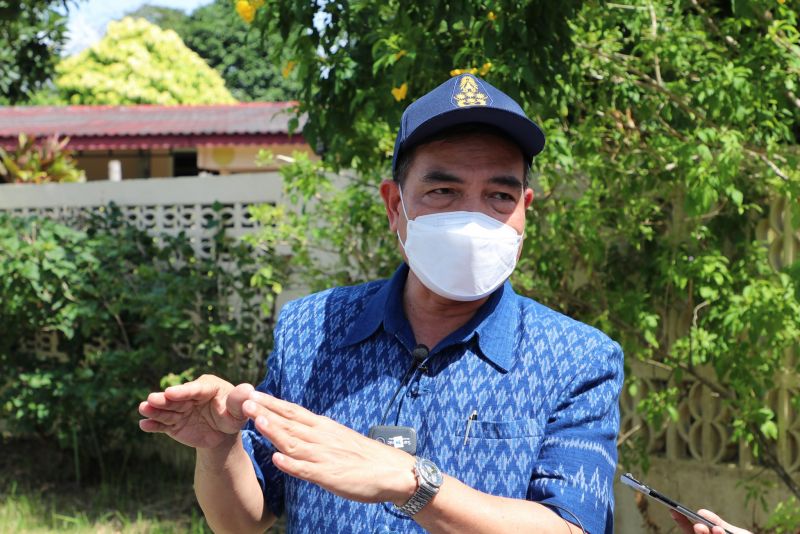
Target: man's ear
527	197
390	193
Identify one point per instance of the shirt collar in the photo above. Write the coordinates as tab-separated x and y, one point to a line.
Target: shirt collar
384	307
494	324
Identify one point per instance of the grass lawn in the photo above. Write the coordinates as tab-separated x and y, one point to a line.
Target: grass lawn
38	494
34	511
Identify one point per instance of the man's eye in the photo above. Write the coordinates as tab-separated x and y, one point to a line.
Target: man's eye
502	196
442	191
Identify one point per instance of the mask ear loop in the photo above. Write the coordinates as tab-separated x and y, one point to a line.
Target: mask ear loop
403	205
524	221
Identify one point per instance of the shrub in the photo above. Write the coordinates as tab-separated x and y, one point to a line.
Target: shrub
131	313
38	161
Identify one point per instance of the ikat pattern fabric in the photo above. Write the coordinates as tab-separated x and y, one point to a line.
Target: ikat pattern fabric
545	389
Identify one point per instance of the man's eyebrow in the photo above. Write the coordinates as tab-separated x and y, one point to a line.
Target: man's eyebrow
441	176
505	180
508	180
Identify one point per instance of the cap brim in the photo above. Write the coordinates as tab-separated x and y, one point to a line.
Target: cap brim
522	130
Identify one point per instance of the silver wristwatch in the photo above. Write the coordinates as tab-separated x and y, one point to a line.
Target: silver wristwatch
429	480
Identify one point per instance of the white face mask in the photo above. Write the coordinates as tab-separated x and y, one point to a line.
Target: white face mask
460	255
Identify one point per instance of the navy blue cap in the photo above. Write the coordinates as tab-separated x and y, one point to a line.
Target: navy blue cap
466	99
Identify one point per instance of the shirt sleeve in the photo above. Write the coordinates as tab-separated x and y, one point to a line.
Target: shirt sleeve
259	448
578	459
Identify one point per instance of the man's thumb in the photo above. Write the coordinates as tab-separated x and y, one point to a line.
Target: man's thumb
236	398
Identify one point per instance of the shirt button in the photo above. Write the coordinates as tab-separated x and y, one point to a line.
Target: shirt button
416	390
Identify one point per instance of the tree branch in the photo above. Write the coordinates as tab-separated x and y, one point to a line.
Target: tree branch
711	24
763	157
773	463
647	81
644	79
626	436
654	30
793	98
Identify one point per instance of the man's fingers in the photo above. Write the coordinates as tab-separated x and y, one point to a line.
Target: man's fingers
167	417
287	435
291	466
288	410
688	526
682	521
198	391
159	400
711	516
148	425
723	525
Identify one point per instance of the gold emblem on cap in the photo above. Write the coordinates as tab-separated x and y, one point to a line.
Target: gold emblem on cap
469	93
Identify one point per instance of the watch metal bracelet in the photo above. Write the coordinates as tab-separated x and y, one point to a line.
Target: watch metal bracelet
429	479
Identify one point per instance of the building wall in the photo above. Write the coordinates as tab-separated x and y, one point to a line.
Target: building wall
159	163
135	163
242	158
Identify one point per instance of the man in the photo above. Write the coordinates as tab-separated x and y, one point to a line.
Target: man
490	412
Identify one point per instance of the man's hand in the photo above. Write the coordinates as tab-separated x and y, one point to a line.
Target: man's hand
690	528
202	414
317	449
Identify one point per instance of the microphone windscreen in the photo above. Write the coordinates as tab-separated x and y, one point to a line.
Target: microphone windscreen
420	353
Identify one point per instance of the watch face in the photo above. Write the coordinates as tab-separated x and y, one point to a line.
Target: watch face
430	472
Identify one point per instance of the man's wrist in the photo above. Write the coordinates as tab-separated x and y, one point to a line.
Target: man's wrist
214	459
406	483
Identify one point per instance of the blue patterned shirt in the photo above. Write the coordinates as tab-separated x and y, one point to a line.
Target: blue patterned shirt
545	389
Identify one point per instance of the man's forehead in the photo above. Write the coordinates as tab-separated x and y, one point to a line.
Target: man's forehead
466	152
473	136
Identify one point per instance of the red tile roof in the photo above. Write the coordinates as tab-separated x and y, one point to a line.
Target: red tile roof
149	126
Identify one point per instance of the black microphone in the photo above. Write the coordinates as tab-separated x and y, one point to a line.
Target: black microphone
420	354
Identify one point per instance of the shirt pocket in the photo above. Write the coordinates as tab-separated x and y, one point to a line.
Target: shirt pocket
496	457
481	430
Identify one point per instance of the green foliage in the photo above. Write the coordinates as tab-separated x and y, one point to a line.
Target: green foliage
132	313
39	162
364	50
32	34
138	63
338	237
166	18
786	517
671	127
221	38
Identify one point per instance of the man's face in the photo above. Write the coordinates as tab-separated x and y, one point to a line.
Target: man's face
478	172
